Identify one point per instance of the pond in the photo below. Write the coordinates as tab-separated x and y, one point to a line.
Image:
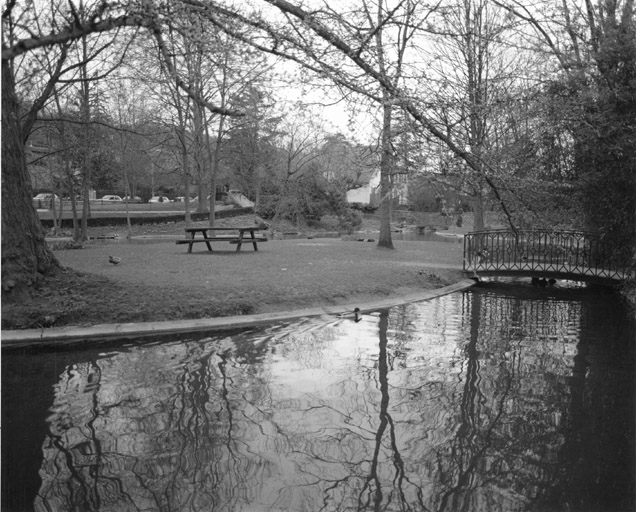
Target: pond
498	399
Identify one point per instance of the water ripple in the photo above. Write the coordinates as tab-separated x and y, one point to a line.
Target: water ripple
474	401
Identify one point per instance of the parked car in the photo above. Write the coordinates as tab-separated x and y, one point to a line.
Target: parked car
132	199
159	199
44	200
111	198
46	196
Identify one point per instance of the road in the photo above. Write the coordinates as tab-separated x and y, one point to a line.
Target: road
100	210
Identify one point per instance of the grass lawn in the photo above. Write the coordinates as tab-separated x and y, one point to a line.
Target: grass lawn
160	281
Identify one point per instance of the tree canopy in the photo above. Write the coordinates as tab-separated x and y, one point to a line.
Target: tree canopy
525	108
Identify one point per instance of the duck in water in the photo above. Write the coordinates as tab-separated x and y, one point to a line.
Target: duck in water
357	316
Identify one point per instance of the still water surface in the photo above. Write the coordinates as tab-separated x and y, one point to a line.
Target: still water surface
499	399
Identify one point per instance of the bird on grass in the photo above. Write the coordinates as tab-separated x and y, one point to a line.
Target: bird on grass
114	260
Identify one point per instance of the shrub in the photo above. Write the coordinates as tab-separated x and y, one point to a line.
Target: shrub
349	220
364	208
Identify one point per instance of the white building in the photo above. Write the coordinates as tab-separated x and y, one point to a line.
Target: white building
367	193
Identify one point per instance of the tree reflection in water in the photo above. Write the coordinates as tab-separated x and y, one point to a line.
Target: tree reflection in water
469	402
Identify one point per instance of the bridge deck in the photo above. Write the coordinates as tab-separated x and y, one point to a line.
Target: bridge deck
569	255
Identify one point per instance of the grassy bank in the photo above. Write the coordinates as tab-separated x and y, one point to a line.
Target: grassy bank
160	281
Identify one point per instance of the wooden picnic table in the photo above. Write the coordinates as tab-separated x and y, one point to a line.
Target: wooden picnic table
208	235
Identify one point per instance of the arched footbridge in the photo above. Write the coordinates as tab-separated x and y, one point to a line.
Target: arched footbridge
573	255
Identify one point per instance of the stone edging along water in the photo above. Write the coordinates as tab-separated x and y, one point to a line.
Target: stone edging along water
57	336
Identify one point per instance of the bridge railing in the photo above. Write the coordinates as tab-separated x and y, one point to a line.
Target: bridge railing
558	252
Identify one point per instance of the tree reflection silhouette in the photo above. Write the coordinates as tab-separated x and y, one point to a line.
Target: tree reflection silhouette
476	426
77	441
372	485
597	461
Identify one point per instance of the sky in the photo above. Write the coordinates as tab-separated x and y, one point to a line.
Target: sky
339	115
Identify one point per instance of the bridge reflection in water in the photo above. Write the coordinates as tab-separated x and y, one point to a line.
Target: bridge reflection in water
483	401
573	255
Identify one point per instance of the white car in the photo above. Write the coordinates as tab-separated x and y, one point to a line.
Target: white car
159	199
111	198
46	196
132	199
45	199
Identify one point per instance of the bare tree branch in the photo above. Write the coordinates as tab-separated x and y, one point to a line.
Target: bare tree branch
394	92
167	61
539	28
32	115
75	32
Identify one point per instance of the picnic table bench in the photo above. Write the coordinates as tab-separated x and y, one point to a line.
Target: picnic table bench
208	236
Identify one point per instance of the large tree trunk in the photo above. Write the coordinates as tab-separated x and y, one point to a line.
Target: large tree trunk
25	254
215	159
186	189
386	167
86	149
